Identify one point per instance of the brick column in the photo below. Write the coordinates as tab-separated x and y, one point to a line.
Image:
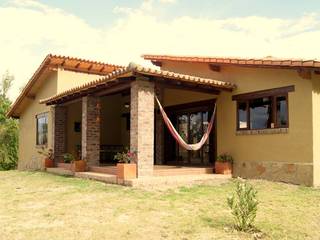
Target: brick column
159	129
90	139
142	124
59	138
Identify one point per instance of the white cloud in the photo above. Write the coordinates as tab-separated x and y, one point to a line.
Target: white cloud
36	29
167	1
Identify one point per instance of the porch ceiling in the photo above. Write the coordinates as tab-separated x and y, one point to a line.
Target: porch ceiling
121	78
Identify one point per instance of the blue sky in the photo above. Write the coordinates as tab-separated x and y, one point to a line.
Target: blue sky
120	31
100	12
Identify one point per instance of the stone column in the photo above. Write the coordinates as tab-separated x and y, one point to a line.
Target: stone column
142	124
90	139
59	138
159	129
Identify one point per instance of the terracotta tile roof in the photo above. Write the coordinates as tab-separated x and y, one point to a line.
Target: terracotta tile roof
131	70
267	62
67	63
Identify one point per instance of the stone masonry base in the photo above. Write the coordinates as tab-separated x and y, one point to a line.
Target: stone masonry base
296	173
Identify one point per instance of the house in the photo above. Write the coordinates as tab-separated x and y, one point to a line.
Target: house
267	118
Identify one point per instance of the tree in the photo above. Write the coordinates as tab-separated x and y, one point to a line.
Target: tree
8	127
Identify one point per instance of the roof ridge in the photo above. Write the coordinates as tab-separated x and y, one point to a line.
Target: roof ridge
267	58
50	55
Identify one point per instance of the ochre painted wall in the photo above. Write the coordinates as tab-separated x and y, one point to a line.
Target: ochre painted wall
177	96
56	82
69	79
29	158
291	154
316	129
74	111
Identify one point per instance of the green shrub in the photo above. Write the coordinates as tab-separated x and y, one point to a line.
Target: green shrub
68	158
8	144
244	205
8	128
225	157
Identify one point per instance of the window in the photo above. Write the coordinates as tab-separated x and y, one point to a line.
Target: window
42	129
263	109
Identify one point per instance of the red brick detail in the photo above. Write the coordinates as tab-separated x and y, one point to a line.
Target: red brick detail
59	118
159	138
90	141
142	125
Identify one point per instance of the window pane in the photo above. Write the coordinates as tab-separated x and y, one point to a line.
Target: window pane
42	129
260	113
183	131
242	115
282	114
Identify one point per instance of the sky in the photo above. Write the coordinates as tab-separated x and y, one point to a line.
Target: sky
119	31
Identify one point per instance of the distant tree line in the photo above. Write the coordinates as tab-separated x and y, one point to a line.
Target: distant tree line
8	127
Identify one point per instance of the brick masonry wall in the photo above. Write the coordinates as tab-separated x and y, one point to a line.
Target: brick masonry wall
59	118
90	140
159	129
142	125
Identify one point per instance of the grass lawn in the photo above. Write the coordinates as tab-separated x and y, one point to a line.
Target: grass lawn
35	205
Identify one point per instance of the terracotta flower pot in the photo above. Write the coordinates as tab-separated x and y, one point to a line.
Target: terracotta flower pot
126	171
79	166
48	163
223	168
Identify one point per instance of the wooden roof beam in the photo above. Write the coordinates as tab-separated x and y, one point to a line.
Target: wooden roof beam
214	67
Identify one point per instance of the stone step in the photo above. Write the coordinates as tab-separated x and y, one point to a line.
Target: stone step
107	178
107	170
60	171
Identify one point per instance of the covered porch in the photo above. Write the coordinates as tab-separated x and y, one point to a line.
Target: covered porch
118	112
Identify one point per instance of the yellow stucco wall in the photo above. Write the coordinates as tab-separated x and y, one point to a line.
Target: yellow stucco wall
29	158
74	111
177	96
69	79
316	129
56	82
256	153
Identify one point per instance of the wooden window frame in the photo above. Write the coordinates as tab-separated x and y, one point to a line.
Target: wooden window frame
38	116
271	93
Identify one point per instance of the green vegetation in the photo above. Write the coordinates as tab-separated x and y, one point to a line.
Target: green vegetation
244	205
8	128
36	205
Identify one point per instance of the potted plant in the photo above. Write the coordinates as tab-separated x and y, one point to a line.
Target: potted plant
77	165
126	166
223	164
48	161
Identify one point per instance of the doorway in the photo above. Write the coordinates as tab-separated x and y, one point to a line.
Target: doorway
191	121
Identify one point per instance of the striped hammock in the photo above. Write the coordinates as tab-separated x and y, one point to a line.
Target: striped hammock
178	138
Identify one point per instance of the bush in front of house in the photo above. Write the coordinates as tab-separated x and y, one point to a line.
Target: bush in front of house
244	205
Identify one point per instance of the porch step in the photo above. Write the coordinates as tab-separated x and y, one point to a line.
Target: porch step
60	171
107	178
164	182
181	171
112	170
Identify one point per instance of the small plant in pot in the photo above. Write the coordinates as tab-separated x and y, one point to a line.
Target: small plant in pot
126	166
48	161
77	165
223	164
